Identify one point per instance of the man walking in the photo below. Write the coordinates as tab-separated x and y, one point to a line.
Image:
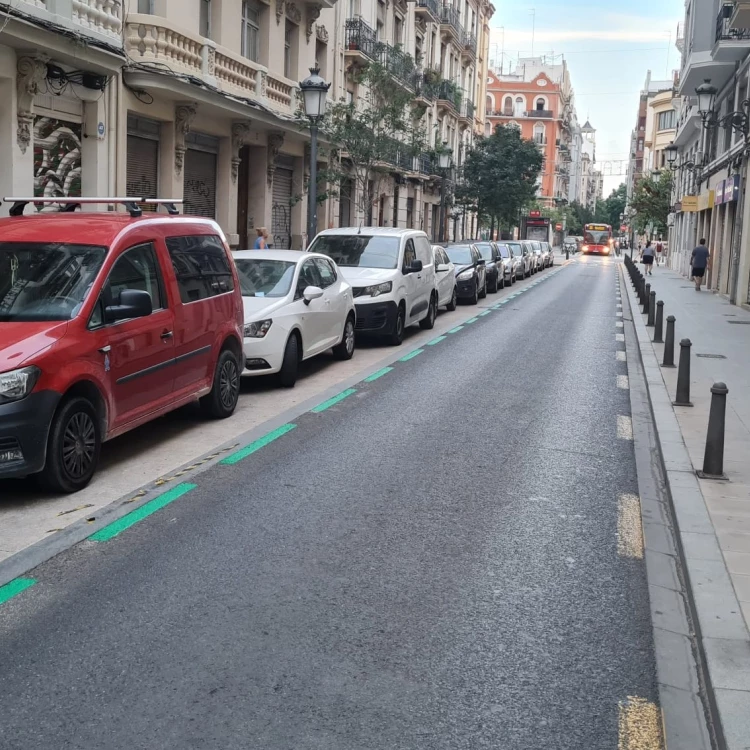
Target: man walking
699	263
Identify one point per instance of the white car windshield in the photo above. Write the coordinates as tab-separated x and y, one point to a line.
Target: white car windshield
516	249
359	250
504	251
43	281
265	278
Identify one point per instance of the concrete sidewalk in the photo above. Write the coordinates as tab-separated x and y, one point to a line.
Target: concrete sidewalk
713	517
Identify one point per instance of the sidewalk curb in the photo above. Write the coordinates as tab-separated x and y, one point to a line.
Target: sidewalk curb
721	635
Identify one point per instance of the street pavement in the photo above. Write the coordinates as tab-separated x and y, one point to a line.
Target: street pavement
447	556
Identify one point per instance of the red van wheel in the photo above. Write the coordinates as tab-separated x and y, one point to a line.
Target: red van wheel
73	447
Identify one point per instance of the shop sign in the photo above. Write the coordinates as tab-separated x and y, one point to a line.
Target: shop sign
732	189
719	193
706	200
689	203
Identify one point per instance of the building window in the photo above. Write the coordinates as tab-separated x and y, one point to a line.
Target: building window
353	8
251	30
520	106
508	106
205	18
398	30
380	27
288	33
146	6
321	58
541	105
539	133
667	120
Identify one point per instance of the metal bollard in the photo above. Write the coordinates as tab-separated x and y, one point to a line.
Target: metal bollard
668	360
651	309
683	375
659	322
646	298
567	254
713	458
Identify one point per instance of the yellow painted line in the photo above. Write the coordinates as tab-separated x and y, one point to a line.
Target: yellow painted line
629	527
621	356
624	427
623	382
640	725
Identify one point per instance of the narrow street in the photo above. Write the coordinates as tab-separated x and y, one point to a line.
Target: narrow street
430	562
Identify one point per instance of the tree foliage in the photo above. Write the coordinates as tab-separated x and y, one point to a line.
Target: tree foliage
652	199
375	134
610	209
500	175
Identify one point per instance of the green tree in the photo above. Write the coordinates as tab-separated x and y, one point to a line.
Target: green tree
609	210
374	135
500	175
652	199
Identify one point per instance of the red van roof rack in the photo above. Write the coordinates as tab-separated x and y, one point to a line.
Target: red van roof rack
68	205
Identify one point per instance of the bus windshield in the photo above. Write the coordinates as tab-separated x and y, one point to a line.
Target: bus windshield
596	237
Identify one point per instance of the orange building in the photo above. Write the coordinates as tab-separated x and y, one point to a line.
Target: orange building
542	109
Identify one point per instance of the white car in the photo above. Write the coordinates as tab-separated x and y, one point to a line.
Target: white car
296	305
445	279
392	273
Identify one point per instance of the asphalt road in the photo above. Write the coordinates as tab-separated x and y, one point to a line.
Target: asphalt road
431	563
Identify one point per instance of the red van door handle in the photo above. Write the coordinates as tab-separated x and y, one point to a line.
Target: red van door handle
167	335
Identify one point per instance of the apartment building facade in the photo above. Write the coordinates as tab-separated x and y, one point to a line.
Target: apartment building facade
711	165
537	98
199	100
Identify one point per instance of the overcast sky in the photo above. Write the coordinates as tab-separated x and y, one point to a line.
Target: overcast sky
609	47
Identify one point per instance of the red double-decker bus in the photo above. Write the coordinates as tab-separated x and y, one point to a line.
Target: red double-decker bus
597	238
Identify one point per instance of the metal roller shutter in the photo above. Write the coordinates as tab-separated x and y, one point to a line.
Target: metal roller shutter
281	209
143	157
200	183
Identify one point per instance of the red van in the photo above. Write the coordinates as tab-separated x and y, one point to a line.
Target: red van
107	321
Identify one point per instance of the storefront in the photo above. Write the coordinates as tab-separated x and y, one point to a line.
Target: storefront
143	157
281	205
200	174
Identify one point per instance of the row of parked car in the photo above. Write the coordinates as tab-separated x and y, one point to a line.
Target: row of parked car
110	320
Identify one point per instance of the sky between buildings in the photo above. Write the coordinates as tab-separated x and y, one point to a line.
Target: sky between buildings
609	45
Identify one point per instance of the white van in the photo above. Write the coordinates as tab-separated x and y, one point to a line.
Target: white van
392	274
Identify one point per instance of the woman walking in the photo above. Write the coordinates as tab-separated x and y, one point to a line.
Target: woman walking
261	243
648	258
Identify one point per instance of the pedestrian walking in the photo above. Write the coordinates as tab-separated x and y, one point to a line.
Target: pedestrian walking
648	258
699	263
261	243
659	252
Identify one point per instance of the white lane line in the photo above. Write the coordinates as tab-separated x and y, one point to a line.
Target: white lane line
621	356
623	382
624	427
620	324
618	314
619	337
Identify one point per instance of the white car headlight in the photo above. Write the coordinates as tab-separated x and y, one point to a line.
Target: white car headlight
466	275
17	384
258	329
377	289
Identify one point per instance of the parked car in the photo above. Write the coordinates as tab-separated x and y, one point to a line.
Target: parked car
392	274
471	275
493	264
547	255
536	246
445	279
297	305
508	262
109	321
522	251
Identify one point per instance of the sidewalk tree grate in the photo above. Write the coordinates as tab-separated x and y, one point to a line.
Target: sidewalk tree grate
739	322
711	356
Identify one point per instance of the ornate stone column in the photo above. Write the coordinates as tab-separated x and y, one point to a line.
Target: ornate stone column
31	71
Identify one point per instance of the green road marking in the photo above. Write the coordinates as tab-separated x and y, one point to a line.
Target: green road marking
256	445
118	526
333	401
16	586
456	329
411	355
486	312
471	320
436	341
378	374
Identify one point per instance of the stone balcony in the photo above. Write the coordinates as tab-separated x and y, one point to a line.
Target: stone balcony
99	19
157	41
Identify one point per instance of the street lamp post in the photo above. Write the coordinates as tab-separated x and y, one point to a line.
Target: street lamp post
444	164
314	93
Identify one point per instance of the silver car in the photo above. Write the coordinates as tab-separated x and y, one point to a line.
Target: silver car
510	263
537	247
549	255
522	254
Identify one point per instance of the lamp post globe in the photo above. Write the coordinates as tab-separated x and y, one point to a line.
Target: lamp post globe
706	94
670	152
314	95
444	164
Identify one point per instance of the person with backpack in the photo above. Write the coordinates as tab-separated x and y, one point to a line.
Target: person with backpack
659	252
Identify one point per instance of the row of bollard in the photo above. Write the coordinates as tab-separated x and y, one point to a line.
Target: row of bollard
713	458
